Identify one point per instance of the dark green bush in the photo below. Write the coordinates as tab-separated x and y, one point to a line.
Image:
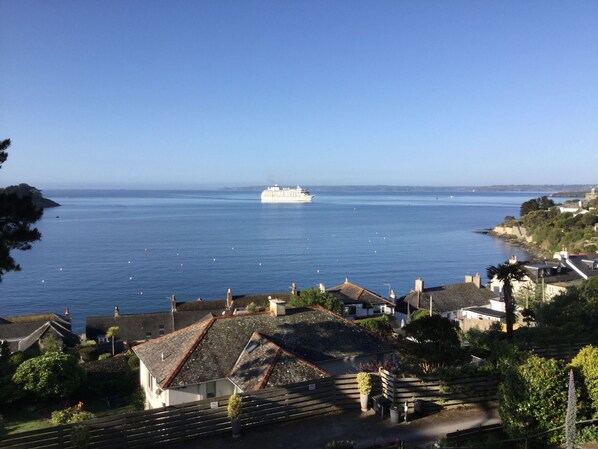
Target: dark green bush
133	362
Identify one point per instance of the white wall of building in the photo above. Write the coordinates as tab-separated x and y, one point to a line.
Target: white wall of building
155	397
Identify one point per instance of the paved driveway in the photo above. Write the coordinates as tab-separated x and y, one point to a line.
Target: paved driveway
364	429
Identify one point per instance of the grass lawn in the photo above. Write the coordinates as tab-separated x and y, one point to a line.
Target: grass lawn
23	419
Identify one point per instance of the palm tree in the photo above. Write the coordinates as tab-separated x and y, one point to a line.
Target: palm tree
507	273
112	333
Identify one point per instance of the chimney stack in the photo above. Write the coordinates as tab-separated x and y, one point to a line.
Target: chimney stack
294	289
322	288
393	295
173	303
116	312
419	285
477	280
418	302
346	279
229	298
277	307
67	313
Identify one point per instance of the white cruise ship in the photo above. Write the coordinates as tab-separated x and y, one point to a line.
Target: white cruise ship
276	194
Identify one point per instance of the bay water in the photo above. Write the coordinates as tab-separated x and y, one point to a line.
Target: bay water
134	249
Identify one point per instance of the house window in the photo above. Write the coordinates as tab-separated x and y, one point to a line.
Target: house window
211	389
101	339
150	382
148	335
161	330
349	310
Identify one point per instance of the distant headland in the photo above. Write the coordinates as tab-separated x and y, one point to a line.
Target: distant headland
36	195
557	189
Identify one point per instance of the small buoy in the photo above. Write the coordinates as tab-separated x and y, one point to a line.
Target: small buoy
130	278
43	281
141	293
145	250
214	259
260	264
317	271
181	265
60	269
129	261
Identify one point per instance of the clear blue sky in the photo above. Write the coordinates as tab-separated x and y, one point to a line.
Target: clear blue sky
184	94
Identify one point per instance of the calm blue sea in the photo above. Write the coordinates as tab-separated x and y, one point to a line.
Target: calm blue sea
136	248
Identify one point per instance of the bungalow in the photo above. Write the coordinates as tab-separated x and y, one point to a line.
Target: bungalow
359	302
451	300
229	353
26	331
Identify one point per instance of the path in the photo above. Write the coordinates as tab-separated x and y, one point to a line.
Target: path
364	429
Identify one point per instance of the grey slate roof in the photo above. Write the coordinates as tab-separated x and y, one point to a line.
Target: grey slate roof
263	363
452	297
554	271
22	332
349	293
135	327
212	348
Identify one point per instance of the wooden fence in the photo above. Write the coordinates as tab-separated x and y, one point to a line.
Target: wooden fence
179	423
432	393
563	351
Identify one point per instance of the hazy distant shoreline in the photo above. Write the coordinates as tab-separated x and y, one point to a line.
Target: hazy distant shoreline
388	188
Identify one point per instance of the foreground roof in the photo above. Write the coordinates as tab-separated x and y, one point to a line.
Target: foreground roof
263	363
209	350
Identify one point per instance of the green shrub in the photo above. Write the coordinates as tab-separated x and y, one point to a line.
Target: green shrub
364	383
15	360
133	362
586	361
533	397
379	325
138	399
104	356
50	376
235	406
79	436
87	351
588	434
70	415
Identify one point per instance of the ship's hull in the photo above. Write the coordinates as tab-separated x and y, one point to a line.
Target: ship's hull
287	199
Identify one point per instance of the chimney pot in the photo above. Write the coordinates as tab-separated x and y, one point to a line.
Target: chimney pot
322	288
173	303
67	313
477	280
346	279
277	307
116	311
229	298
294	289
419	285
